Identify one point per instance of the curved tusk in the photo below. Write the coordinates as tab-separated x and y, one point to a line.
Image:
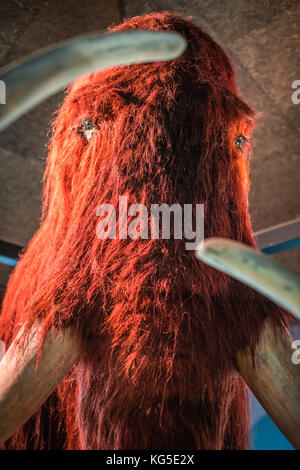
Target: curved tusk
24	386
273	377
275	380
44	73
254	269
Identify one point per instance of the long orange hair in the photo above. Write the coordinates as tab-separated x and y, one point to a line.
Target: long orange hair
159	329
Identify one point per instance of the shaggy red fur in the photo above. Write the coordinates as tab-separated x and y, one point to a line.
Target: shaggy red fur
159	329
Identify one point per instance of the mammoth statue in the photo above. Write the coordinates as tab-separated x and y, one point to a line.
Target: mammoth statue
134	343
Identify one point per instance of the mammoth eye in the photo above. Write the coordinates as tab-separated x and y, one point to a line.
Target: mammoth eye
241	142
86	128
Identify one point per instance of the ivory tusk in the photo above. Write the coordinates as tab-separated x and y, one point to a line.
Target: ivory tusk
273	377
42	74
24	386
254	269
275	380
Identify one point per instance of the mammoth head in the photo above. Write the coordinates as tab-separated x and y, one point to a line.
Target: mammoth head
172	128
